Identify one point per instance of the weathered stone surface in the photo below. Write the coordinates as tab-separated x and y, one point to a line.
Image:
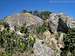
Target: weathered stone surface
54	41
47	36
23	18
60	40
40	49
53	22
64	23
48	44
59	22
72	24
1	27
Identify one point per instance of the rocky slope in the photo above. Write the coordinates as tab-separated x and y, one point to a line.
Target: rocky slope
48	42
23	18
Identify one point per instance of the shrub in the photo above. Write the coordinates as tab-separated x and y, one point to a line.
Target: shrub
12	42
41	29
69	42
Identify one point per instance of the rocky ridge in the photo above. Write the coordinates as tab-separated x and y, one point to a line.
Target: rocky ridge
50	42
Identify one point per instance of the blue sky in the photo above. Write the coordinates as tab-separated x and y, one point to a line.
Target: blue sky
10	7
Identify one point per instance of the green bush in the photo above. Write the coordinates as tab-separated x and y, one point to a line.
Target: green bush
12	42
23	29
69	42
42	28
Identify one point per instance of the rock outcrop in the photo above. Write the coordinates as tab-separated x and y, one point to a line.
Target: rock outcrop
59	22
73	24
53	22
23	18
54	41
46	44
40	49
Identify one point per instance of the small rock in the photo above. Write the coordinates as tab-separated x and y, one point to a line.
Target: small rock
42	50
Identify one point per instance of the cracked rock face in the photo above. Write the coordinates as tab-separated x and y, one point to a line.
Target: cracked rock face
53	22
40	49
59	22
24	18
51	43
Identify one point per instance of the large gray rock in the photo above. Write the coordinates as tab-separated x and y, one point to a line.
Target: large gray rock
54	41
53	22
64	23
40	49
23	18
72	23
59	22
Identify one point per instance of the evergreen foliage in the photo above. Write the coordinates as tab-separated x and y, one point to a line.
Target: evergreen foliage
42	14
69	42
41	29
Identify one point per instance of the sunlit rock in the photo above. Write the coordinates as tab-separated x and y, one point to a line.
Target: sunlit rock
40	49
